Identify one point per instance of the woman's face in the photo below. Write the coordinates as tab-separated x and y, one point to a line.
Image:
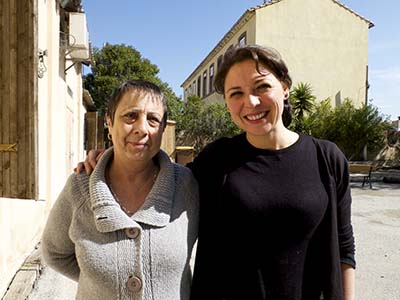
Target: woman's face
255	101
138	127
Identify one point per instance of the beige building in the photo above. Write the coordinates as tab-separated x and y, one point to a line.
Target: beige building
324	43
42	113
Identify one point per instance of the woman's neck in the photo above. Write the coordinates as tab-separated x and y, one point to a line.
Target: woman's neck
124	173
274	140
131	185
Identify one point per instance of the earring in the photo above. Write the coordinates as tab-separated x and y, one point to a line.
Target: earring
109	136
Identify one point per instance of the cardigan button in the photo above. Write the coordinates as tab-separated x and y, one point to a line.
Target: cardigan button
134	284
132	233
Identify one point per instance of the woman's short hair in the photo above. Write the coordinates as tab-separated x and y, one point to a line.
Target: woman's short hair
138	86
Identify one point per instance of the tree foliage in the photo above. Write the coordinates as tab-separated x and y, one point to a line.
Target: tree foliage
114	64
200	124
349	127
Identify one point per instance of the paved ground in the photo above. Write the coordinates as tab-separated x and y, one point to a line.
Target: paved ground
376	220
53	286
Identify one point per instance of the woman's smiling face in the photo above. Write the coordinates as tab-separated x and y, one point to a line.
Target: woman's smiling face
254	99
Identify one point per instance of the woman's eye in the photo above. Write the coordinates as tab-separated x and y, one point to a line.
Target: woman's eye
129	117
263	87
235	94
154	120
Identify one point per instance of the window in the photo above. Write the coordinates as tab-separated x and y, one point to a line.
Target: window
242	39
219	61
194	87
198	86
205	83
211	84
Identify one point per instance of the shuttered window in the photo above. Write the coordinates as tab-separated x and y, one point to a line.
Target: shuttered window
18	100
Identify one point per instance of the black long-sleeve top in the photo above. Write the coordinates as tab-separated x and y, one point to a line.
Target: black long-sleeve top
274	224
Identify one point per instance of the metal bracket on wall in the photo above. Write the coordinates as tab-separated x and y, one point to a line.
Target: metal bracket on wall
8	147
73	64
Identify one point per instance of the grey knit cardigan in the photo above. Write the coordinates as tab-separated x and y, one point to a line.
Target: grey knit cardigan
113	256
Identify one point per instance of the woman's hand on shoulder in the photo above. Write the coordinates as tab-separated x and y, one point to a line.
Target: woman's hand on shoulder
90	162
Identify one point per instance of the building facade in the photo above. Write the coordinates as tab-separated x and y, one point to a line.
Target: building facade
324	43
42	113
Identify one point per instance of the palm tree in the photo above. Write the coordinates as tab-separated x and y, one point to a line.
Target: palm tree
302	101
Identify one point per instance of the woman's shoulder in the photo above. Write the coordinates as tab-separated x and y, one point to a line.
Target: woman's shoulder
326	146
214	158
76	189
223	142
171	169
331	155
220	148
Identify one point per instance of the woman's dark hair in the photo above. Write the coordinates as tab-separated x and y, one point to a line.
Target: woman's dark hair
266	56
138	86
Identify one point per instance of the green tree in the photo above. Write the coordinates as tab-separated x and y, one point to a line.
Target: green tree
200	124
318	122
114	64
351	128
358	128
302	101
218	122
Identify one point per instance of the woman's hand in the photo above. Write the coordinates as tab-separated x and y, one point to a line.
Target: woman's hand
90	162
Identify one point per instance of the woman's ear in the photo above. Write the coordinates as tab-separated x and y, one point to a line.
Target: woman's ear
286	92
286	96
108	121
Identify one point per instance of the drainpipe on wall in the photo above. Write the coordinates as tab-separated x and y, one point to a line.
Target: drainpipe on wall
365	150
366	86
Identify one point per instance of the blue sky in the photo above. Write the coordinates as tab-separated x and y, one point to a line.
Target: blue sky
177	35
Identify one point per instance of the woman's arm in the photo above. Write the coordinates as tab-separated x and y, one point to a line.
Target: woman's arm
57	248
348	277
345	229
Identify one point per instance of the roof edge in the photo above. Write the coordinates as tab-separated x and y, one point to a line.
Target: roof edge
222	42
370	24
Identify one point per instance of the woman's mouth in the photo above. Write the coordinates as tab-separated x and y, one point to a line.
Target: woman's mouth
255	117
138	145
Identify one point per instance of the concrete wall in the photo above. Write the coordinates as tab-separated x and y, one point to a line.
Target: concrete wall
60	142
323	44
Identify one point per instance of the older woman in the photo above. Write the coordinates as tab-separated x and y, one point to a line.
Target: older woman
128	230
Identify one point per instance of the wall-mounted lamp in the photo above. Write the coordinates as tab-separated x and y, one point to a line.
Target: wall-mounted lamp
41	65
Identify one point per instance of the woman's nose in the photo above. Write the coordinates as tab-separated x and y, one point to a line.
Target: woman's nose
140	126
252	100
